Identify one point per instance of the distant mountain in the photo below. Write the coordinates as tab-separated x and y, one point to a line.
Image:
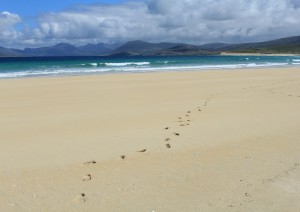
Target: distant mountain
61	49
4	52
280	46
185	49
142	47
99	49
214	46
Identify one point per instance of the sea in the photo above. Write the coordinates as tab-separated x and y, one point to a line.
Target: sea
23	67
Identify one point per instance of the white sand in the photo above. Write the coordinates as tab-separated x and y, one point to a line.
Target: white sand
239	153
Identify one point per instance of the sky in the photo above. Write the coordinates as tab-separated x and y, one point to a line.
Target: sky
35	23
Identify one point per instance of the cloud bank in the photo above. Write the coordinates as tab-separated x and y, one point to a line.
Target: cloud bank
7	23
190	21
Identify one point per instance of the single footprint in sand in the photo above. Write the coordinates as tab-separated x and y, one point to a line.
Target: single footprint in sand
122	157
142	150
166	128
168	145
81	198
188	111
176	134
167	139
87	177
89	163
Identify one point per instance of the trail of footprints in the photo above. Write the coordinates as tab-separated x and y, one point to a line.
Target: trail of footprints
278	93
283	174
183	121
272	91
248	197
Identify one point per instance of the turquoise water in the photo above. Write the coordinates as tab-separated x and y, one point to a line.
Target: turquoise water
64	66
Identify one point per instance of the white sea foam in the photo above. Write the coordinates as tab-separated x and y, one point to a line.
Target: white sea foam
57	72
127	64
93	64
141	67
296	60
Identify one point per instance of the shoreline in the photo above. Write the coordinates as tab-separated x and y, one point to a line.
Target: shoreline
99	67
256	54
137	142
154	72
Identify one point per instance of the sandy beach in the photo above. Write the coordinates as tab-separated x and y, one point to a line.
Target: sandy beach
223	140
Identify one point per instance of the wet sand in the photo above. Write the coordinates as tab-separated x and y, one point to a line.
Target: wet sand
173	141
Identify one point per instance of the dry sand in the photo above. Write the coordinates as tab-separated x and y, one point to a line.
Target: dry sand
238	149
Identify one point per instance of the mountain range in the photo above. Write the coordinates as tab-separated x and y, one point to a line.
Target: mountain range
290	45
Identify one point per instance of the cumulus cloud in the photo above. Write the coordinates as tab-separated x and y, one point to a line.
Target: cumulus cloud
191	21
7	22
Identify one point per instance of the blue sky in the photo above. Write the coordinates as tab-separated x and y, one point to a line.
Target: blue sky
34	7
35	23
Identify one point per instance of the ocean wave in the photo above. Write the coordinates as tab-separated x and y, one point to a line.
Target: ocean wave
164	62
296	60
127	64
59	72
138	67
92	64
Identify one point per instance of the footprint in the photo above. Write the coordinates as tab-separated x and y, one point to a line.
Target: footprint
81	198
87	177
168	146
89	163
167	139
122	157
166	128
142	150
176	134
182	125
188	111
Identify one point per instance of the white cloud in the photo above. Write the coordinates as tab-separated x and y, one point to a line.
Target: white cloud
192	21
7	22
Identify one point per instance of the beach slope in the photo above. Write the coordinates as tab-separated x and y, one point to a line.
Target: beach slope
169	141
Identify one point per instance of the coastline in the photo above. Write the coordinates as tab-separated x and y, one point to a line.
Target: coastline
239	150
255	54
65	66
